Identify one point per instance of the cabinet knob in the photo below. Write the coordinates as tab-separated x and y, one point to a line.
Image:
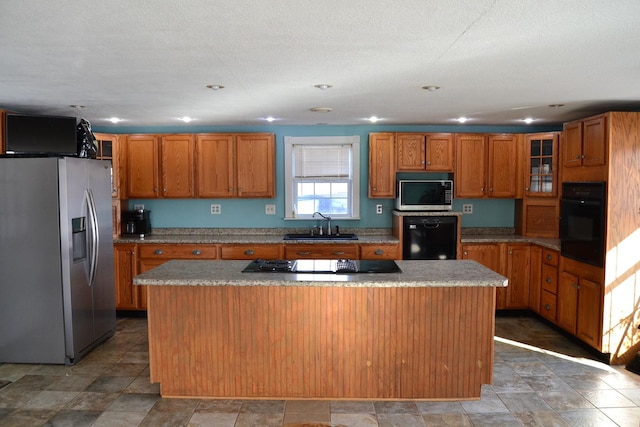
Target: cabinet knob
548	279
526	188
549	257
379	252
374	189
465	253
248	252
547	307
196	252
577	156
158	252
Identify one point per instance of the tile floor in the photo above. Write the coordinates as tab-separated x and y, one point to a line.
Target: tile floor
540	379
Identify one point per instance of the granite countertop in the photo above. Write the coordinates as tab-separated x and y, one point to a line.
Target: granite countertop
252	236
447	273
509	238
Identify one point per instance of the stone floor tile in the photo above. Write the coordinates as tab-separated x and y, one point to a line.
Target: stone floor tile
55	400
307	406
587	418
26	417
607	399
439	407
223	406
262	407
208	419
134	402
400	420
173	419
259	419
624	417
91	401
541	419
352	407
447	420
110	384
566	400
354	420
119	419
395	407
524	402
73	418
493	420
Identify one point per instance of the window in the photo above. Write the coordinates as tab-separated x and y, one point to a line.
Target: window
322	174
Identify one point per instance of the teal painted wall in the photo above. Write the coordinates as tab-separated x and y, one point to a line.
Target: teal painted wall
249	213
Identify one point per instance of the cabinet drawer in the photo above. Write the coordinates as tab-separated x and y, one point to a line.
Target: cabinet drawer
320	251
548	306
549	256
379	252
178	251
549	279
250	251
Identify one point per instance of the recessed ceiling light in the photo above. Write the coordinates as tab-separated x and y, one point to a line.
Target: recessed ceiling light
321	109
556	105
270	119
461	119
76	107
431	88
114	120
186	119
215	87
528	120
323	86
373	119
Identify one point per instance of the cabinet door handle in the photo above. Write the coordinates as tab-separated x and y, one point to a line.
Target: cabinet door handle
196	252
338	253
248	252
379	252
547	307
548	279
303	253
158	252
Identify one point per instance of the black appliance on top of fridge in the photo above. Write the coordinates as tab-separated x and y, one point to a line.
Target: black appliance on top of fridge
57	296
429	237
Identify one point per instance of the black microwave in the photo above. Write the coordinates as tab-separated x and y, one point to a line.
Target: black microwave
424	195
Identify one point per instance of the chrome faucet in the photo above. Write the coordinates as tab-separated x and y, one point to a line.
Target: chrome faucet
328	218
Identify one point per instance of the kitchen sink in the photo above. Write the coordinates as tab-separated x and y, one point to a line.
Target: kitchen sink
309	236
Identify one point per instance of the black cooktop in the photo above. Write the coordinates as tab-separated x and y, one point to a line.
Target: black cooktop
326	266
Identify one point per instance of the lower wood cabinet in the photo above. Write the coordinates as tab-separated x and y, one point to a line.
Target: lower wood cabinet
512	260
125	261
321	251
580	299
549	284
380	252
251	251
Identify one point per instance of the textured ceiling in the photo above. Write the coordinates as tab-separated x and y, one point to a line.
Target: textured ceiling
149	62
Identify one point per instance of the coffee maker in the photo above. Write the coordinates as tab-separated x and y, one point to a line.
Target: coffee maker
136	223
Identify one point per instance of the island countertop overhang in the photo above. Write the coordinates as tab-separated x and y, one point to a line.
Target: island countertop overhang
415	273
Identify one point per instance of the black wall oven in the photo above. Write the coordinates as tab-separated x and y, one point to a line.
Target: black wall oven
582	221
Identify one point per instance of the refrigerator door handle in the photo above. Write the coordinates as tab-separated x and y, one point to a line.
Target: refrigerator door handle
95	237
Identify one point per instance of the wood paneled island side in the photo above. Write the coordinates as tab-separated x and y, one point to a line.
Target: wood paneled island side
424	333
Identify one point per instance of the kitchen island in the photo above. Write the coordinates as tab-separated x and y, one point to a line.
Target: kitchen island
424	333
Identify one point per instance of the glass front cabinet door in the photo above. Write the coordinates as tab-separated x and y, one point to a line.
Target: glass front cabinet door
541	174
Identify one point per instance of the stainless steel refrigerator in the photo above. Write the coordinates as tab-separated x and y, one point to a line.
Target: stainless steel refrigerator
57	297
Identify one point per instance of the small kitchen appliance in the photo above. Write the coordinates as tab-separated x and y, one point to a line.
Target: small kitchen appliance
424	195
136	223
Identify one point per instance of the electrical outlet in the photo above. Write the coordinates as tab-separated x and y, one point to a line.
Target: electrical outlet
216	209
467	208
270	209
138	207
378	209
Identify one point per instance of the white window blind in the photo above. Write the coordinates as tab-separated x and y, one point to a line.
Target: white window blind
318	161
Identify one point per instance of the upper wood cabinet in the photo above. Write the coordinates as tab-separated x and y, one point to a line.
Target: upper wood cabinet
382	165
541	165
108	149
235	165
431	152
142	166
159	166
584	149
176	155
214	165
488	165
255	165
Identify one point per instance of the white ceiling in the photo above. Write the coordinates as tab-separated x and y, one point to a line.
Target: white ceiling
149	62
